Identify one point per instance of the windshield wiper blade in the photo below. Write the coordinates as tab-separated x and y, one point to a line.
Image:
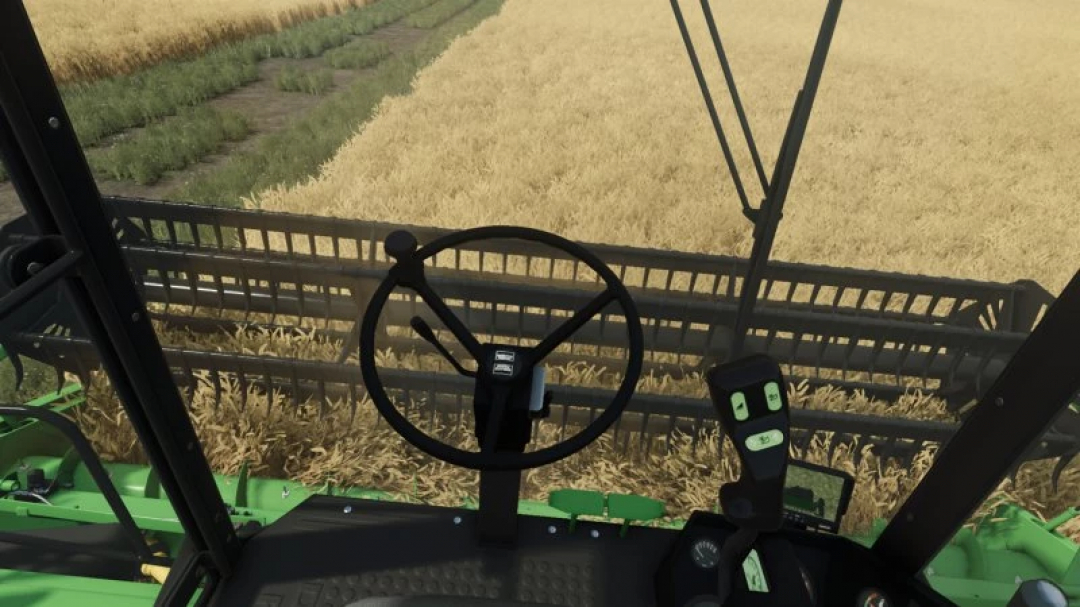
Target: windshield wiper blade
734	91
724	147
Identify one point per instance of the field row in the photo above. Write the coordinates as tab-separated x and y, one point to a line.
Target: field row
87	41
161	98
437	14
109	106
170	145
292	155
139	127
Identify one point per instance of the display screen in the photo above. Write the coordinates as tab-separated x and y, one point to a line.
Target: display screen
816	495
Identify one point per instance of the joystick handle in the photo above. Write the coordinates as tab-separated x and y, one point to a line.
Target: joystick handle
750	397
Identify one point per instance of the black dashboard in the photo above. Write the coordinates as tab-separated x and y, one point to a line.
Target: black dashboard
334	552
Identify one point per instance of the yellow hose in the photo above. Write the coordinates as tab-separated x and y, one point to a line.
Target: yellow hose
158	572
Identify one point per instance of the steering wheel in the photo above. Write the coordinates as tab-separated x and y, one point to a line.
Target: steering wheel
408	272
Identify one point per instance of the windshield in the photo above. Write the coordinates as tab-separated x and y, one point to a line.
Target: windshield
930	220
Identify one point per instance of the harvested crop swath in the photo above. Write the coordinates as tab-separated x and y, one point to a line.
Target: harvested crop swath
109	106
308	40
313	38
386	12
294	79
437	13
170	145
358	54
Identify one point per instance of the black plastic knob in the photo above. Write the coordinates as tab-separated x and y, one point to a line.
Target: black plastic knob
400	244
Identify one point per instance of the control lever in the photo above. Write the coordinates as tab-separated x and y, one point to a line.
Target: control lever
750	397
424	330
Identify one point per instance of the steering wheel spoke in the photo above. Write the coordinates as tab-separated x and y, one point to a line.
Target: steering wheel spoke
566	330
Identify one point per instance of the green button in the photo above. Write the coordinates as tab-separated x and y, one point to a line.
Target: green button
772	396
765	440
738	405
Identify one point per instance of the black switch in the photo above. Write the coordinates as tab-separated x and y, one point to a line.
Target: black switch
35	480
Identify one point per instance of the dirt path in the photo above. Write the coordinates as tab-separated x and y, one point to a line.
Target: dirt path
268	109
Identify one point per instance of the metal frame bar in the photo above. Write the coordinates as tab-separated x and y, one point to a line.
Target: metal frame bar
1031	392
302	380
53	180
706	268
687	341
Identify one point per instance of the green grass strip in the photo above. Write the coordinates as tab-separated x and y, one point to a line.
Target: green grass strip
358	54
437	13
170	145
109	106
309	39
386	12
295	153
313	38
294	79
106	107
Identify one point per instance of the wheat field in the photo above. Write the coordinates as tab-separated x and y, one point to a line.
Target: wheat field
312	442
942	141
90	39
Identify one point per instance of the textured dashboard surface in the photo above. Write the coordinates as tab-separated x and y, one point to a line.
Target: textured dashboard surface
330	552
